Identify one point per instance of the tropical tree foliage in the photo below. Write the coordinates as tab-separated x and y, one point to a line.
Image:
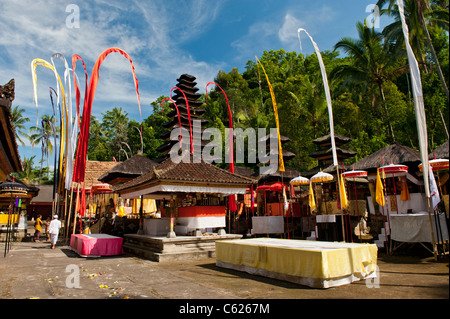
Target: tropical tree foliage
369	81
18	120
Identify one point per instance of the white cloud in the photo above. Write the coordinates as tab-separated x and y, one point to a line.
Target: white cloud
259	36
33	29
288	32
279	30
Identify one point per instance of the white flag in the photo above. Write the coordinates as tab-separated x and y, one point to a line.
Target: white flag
327	93
418	100
434	191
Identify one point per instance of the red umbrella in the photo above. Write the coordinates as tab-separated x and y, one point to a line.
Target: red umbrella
273	188
101	188
437	164
352	176
394	170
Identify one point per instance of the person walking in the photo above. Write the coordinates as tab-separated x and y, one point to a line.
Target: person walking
53	230
37	228
47	224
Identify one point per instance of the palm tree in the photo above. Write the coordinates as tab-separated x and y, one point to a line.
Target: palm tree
417	13
28	175
44	135
18	121
373	63
313	105
115	127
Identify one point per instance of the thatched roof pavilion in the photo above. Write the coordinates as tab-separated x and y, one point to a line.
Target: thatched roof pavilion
95	169
169	177
127	170
440	152
394	153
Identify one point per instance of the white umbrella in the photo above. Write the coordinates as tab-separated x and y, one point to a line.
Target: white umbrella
300	180
322	177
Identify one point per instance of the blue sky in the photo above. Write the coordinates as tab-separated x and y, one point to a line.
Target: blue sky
165	38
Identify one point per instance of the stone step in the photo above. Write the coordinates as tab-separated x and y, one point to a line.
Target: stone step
172	247
178	248
379	243
166	256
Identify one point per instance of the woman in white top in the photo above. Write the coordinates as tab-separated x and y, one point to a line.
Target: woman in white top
53	230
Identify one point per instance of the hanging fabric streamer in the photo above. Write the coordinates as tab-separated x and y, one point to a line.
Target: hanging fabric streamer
40	62
343	194
379	192
285	201
189	114
83	141
71	128
327	92
178	112
312	201
232	200
252	203
230	125
434	191
275	110
75	58
404	195
419	107
416	81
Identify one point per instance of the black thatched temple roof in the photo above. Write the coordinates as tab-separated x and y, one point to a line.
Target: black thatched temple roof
394	153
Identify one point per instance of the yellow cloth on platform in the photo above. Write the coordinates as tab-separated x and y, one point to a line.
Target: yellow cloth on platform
13	218
149	206
300	258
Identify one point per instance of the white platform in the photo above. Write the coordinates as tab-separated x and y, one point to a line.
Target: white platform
315	264
267	225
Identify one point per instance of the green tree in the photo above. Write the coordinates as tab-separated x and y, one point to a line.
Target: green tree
115	128
44	135
28	174
99	148
418	13
372	63
18	121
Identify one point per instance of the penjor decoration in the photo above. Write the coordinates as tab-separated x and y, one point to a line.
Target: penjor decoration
83	140
421	120
275	110
74	135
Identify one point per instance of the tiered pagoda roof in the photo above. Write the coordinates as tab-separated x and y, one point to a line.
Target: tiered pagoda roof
187	85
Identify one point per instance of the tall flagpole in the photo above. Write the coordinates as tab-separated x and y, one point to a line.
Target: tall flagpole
330	113
420	114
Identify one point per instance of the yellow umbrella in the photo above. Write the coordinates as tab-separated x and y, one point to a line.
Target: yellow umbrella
322	177
300	180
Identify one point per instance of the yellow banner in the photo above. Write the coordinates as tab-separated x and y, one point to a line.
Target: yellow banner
64	120
275	110
312	201
343	194
379	190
